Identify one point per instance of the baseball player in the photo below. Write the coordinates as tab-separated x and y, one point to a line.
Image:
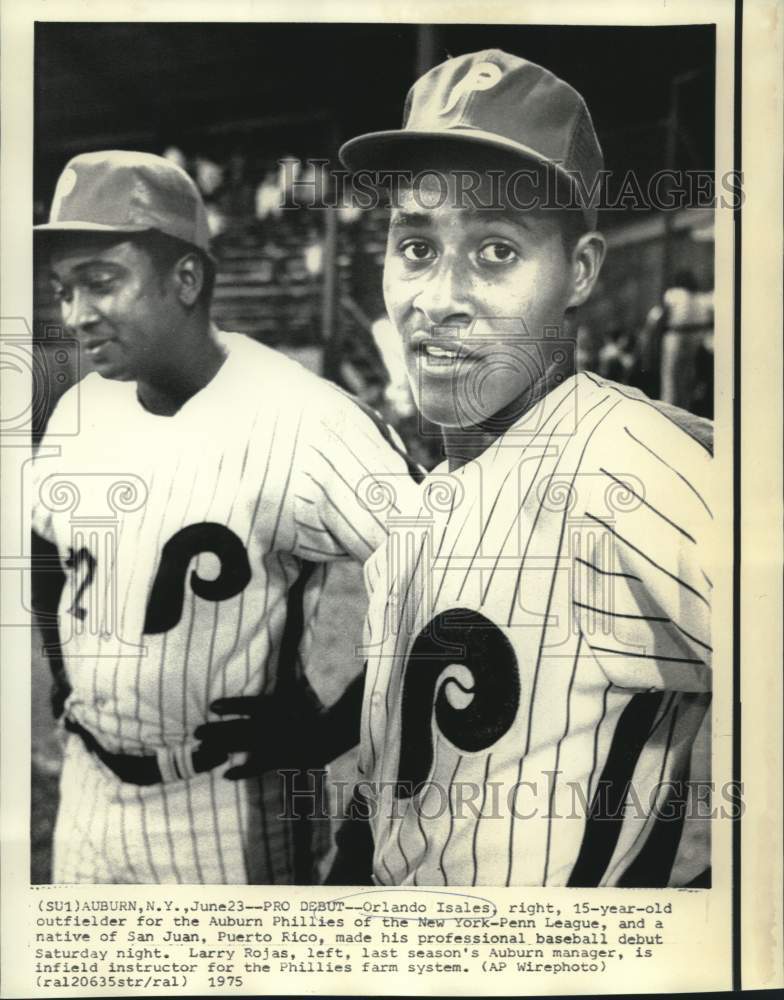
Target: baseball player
538	638
211	482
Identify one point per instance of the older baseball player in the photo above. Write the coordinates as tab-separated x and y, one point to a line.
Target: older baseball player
539	665
210	483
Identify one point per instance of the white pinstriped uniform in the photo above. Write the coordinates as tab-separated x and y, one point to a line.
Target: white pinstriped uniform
566	666
228	503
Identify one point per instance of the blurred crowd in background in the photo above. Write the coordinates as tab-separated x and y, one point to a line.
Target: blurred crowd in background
307	280
271	277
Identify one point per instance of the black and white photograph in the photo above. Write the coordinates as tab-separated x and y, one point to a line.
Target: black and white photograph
390	530
431	300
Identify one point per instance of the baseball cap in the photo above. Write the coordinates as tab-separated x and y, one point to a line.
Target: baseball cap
493	99
127	192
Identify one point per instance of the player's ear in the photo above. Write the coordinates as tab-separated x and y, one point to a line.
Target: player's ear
189	278
587	259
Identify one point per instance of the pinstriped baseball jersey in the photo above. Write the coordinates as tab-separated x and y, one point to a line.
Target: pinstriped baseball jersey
539	653
184	539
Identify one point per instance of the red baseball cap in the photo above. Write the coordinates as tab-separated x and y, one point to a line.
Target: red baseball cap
128	192
496	100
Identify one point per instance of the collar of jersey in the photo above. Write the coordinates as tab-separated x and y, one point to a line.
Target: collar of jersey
529	423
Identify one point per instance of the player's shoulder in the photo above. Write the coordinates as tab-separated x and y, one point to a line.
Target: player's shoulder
263	365
325	413
264	379
664	450
628	410
337	414
284	379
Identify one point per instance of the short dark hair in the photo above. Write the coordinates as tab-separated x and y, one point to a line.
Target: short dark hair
165	251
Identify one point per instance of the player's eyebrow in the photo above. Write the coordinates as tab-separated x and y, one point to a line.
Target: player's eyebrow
411	220
475	213
88	267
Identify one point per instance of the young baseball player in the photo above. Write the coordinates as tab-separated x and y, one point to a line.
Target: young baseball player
209	484
539	662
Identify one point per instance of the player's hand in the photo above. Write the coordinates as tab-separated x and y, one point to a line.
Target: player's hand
290	730
275	734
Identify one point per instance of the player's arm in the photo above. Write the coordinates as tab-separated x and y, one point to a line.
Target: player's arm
47	582
353	476
643	579
47	578
347	461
